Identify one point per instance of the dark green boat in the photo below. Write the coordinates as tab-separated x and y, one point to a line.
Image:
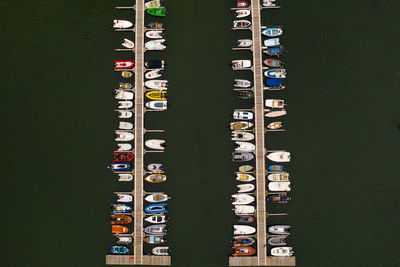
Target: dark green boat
158	11
245	94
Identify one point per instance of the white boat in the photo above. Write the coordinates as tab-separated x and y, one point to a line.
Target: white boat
280	156
122	24
268	3
124	198
273	114
124	239
241	24
124	136
242	13
123	125
155	144
244	146
275	125
241	64
124	147
282	251
244	188
125	177
244	210
274	103
242	83
275	73
279	229
243	115
272	42
156	197
125	104
160	251
154	34
128	43
123	114
155	45
241	136
157	84
123	95
153	4
153	74
242	199
278	177
279	186
159	218
243	230
245	42
244	177
157	105
155	167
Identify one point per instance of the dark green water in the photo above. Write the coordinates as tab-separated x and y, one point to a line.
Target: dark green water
57	130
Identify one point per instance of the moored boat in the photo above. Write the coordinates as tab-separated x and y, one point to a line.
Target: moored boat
243	251
128	43
158	218
124	240
279	229
152	4
154	34
154	239
244	146
275	73
242	83
279	186
274	103
123	156
275	125
241	3
275	168
269	3
241	136
123	95
240	125
277	241
155	45
125	177
245	94
242	199
155	26
245	43
157	84
245	168
156	229
155	167
123	125
273	114
123	64
274	83
125	104
124	198
126	86
241	64
119	250
278	177
272	42
239	229
156	197
157	105
156	73
156	95
242	156
244	177
158	11
244	210
244	188
119	229
243	240
273	63
243	115
241	24
156	178
121	166
246	219
122	24
120	219
155	144
280	198
154	64
280	156
124	147
126	74
156	208
282	252
120	208
272	32
160	251
274	51
124	136
242	13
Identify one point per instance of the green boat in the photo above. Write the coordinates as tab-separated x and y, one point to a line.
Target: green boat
245	94
158	11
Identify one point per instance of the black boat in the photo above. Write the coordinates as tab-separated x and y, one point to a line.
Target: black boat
154	64
245	94
278	198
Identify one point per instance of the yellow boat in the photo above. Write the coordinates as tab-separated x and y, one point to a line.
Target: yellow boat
156	178
126	74
156	95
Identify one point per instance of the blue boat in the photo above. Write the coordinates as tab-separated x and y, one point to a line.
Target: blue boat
275	168
273	82
121	166
156	208
119	250
272	32
121	208
274	51
275	73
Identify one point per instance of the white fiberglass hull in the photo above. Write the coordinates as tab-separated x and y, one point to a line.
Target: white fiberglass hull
128	43
242	199
244	188
124	136
244	210
279	156
153	74
125	177
243	230
245	146
124	147
123	125
157	84
154	34
279	186
124	198
155	144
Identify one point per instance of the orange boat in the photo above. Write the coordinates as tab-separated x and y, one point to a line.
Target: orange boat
119	229
120	219
243	251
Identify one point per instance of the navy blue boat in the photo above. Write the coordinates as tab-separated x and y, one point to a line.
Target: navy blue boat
156	208
154	64
121	166
273	82
246	219
274	51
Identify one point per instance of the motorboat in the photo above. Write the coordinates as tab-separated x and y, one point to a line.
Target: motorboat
126	74
280	198
275	125
123	95
242	13
280	156
273	82
242	199
279	229
154	64
244	210
126	86
278	177
269	3
158	11
155	167
153	74
125	177
121	208
154	34
123	125
241	64
155	144
121	166
275	168
160	251
272	42
243	240
243	115
124	136
245	94
123	156
124	147
246	219
123	64
242	156
119	250
239	251
242	83
274	103
159	218
124	240
244	188
157	84
152	4
274	114
156	229
244	177
272	32
241	24
125	104
240	4
155	44
282	251
273	63
122	24
155	26
239	229
240	125
244	146
156	95
279	186
128	43
119	229
241	136
157	105
277	241
120	219
124	198
274	51
154	239
275	73
245	168
156	197
156	178
245	43
156	208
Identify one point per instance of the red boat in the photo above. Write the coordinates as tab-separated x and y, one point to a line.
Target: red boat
241	4
123	64
120	219
123	156
243	251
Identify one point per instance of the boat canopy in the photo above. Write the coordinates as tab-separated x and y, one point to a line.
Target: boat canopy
273	82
